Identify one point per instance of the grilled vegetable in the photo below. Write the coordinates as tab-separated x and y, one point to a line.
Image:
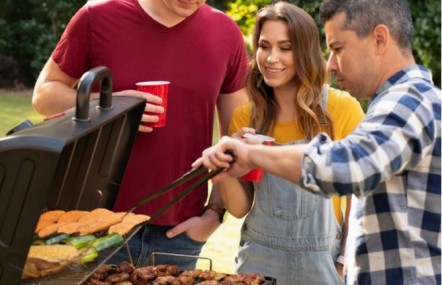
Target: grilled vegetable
90	255
79	241
108	241
55	238
53	252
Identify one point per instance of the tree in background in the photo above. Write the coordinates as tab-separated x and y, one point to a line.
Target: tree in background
29	30
426	18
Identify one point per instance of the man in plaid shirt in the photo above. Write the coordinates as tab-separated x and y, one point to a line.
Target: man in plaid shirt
392	160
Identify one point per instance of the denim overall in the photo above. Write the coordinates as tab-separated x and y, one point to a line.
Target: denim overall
290	234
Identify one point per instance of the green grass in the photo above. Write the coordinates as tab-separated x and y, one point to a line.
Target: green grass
14	110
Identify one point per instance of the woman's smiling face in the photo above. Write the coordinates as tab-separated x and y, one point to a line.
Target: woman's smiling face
274	55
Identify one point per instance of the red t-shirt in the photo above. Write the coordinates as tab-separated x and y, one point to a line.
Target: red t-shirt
202	56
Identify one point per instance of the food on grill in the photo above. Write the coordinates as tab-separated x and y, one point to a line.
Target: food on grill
209	282
164	280
79	242
50	229
48	218
42	224
142	275
53	239
90	254
107	241
166	270
94	215
44	260
51	215
54	252
35	268
100	224
167	275
77	222
71	216
194	273
247	279
128	223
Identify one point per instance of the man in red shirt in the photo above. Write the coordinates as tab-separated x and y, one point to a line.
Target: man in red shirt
201	52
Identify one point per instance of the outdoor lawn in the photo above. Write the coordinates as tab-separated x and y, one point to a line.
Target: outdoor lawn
15	107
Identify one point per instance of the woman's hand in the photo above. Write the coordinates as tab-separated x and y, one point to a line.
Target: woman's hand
242	131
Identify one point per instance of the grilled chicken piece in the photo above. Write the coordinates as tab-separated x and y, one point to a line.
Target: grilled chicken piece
128	223
50	230
117	277
71	216
142	275
48	218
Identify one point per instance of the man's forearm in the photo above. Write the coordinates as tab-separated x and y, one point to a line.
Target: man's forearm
53	97
283	161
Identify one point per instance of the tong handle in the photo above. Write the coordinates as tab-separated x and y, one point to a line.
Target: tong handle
187	176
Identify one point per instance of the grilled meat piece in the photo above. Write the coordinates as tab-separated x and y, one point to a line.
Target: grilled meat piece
211	275
182	280
194	273
210	282
92	281
125	267
117	277
166	270
141	275
163	280
246	279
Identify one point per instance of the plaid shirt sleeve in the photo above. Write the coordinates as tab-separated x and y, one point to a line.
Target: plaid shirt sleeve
397	133
392	162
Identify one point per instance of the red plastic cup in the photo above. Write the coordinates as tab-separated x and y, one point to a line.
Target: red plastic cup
255	175
161	89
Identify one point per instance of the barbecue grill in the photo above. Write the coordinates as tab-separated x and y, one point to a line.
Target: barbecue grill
75	160
72	161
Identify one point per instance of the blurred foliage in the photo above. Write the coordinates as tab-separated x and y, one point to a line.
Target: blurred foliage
426	19
30	30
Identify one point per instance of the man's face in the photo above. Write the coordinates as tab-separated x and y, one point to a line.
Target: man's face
352	59
183	8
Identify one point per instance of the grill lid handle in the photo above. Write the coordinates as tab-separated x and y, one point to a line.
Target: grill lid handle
88	79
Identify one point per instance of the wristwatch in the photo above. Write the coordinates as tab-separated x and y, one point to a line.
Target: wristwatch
214	207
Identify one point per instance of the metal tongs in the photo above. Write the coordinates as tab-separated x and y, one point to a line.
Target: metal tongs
183	179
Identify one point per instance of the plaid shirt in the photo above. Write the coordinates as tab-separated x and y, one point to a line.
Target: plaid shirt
392	163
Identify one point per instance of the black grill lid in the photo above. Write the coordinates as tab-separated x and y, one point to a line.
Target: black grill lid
73	161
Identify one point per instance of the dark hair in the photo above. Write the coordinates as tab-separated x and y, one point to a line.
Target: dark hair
311	74
364	15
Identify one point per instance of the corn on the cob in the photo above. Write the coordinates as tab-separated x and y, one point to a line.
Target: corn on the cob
53	252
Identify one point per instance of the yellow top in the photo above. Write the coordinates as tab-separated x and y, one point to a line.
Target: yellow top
345	111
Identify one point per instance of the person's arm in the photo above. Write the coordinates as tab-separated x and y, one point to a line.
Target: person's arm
283	161
225	106
237	196
200	228
54	92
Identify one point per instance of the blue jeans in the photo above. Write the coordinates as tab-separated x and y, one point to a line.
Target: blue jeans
150	239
